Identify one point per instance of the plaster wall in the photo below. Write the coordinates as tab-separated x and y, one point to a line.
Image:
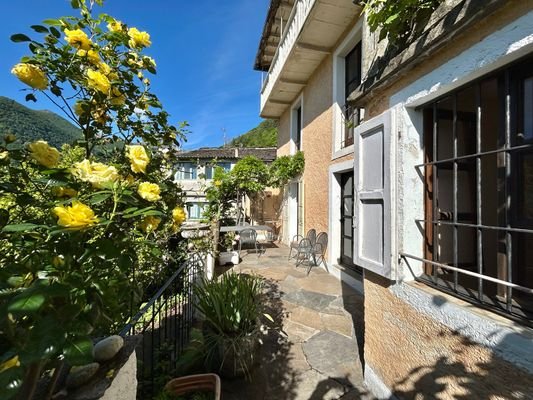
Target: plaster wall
411	352
438	344
316	144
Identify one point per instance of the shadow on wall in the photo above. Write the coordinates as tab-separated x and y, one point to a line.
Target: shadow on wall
464	378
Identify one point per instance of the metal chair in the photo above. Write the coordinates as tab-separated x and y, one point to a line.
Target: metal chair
313	254
248	237
296	240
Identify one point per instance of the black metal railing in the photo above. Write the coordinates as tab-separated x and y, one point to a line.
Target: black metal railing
163	326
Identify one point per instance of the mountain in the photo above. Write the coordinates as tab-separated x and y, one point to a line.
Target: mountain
29	125
263	135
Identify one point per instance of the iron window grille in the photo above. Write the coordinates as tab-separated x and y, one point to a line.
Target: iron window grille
478	178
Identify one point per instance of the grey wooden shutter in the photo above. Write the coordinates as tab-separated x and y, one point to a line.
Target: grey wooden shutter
372	179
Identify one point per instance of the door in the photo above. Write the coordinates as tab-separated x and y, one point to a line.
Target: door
372	179
346	240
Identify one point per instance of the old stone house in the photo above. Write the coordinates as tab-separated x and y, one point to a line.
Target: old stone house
419	167
195	171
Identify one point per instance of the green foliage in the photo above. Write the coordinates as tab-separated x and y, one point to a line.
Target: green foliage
230	304
398	19
250	175
263	135
30	125
285	168
76	223
232	308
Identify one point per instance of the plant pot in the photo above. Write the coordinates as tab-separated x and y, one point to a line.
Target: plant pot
228	257
238	355
194	383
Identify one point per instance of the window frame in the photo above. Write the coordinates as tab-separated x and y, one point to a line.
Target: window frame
508	79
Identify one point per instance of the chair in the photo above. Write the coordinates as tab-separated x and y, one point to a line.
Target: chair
313	254
248	237
295	242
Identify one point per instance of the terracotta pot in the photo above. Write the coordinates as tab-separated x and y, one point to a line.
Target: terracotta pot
195	383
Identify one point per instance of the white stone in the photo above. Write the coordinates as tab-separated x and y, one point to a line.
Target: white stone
108	348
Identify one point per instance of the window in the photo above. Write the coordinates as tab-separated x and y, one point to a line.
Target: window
210	169
298	140
296	125
186	171
479	191
352	79
195	210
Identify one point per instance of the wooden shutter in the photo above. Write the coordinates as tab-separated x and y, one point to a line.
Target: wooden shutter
372	179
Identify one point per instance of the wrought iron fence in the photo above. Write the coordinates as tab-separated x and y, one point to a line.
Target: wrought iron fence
163	326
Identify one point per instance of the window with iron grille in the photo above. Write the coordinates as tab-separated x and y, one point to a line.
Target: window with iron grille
478	173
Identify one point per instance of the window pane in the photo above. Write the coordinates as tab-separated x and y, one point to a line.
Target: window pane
208	172
492	105
466	121
528	109
445	129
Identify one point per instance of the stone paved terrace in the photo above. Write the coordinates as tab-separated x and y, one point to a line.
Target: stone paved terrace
318	356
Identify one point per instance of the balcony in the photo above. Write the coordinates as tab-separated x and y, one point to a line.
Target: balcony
309	35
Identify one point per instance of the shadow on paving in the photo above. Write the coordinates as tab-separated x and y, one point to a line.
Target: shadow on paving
317	352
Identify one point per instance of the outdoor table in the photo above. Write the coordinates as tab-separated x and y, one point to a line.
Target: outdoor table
238	228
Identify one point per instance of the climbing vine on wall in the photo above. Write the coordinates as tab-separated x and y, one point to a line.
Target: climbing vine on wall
397	20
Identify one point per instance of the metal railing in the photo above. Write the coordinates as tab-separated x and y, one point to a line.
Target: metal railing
163	326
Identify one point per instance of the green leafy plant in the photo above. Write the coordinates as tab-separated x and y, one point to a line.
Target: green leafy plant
399	19
231	307
285	168
75	224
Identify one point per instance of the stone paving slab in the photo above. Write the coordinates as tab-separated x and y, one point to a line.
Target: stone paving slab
316	356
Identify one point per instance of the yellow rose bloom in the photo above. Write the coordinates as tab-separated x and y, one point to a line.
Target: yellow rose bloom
97	174
104	68
117	98
138	158
4	155
149	191
98	81
178	215
149	223
60	191
10	138
78	39
31	75
92	56
77	216
138	38
44	154
115	26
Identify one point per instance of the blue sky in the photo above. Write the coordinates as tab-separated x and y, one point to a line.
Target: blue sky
204	50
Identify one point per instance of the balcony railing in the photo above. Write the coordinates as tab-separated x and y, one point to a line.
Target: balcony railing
295	23
163	327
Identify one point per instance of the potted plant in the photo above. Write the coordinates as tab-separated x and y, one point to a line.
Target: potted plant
232	308
229	256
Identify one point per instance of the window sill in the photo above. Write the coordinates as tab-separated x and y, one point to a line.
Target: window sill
441	299
342	152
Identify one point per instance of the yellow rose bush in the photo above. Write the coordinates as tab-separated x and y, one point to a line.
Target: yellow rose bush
84	228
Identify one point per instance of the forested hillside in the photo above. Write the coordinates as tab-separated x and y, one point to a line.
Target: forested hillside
29	125
263	135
